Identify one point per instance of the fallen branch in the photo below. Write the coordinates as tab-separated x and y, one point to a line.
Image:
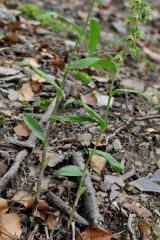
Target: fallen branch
91	207
23	153
130	228
59	204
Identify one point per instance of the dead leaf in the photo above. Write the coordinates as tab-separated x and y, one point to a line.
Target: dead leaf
32	61
58	62
133	84
44	184
89	99
145	230
54	158
10	227
98	163
36	86
3	168
102	100
3	205
22	130
24	198
25	93
101	79
96	233
36	78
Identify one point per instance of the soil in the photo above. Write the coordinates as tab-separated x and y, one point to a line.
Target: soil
139	139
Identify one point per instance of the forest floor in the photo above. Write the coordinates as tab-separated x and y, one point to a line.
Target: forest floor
133	136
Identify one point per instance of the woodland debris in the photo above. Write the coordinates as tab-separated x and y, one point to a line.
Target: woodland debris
91	207
57	203
10	227
98	163
145	184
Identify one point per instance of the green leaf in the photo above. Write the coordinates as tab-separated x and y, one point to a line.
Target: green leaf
125	90
113	162
81	191
95	62
94	35
70	171
96	116
101	2
34	126
55	14
74	119
47	77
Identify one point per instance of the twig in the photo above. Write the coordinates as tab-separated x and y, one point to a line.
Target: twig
19	143
13	169
91	207
130	229
56	202
73	231
46	232
129	122
23	153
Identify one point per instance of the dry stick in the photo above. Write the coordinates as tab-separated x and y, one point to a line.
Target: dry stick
58	101
57	203
23	153
130	229
91	207
92	153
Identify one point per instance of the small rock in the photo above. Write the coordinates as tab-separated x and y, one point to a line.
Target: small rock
158	163
136	130
117	144
12	95
85	139
158	151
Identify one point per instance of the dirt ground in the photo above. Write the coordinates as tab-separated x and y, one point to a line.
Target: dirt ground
133	136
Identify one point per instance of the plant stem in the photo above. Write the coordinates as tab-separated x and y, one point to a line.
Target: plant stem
57	103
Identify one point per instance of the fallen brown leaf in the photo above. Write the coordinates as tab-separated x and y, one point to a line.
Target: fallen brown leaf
54	158
89	99
25	93
10	227
37	78
36	86
3	205
145	230
96	233
32	61
98	163
58	62
22	130
24	198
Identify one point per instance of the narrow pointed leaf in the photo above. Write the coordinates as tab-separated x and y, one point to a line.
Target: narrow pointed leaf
57	15
34	126
95	62
47	77
113	162
94	35
70	171
74	119
96	116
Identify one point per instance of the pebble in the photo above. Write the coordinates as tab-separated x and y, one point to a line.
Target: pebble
117	144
